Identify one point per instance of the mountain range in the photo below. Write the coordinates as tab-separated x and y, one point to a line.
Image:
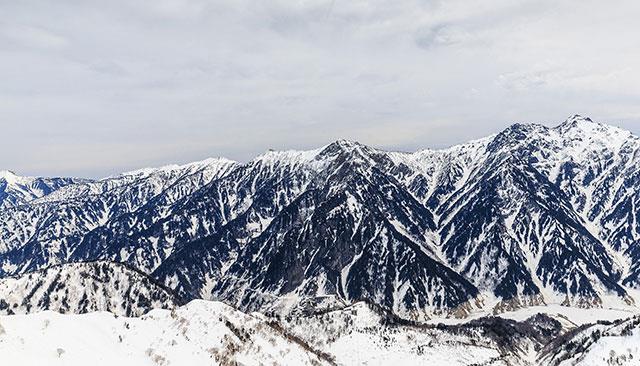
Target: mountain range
530	216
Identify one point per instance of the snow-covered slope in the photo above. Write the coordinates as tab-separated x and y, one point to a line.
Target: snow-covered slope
530	216
605	343
492	210
51	230
211	333
200	333
363	334
17	190
85	287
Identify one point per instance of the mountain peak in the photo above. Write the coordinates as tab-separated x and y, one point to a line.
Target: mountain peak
514	135
582	128
577	118
7	173
577	121
9	176
346	144
343	144
347	148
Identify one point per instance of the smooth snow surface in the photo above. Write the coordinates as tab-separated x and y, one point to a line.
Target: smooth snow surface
200	333
614	350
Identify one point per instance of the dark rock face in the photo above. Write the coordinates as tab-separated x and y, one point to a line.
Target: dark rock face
530	216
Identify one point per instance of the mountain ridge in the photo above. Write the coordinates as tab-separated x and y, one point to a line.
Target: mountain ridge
528	216
85	287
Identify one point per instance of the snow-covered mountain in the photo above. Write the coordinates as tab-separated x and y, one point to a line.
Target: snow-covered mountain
85	287
16	190
530	216
50	230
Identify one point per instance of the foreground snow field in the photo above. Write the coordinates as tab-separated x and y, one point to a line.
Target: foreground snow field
200	333
614	350
211	333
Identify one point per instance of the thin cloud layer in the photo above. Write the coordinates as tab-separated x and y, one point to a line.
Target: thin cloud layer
94	87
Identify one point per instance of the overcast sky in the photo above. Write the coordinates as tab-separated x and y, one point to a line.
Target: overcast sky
90	88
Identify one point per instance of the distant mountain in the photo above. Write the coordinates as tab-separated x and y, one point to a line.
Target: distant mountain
49	230
16	190
532	215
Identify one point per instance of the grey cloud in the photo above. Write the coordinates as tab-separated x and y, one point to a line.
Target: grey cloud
94	87
441	34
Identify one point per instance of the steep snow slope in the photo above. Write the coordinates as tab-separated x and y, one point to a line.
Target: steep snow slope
353	232
85	287
526	243
491	210
200	333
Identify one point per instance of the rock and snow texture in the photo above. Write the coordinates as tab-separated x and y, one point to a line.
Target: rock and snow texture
530	216
362	334
605	343
85	287
200	333
16	190
54	229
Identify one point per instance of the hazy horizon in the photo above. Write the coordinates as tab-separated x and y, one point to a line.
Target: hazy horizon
388	148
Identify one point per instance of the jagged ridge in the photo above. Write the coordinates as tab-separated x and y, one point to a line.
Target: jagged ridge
531	215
